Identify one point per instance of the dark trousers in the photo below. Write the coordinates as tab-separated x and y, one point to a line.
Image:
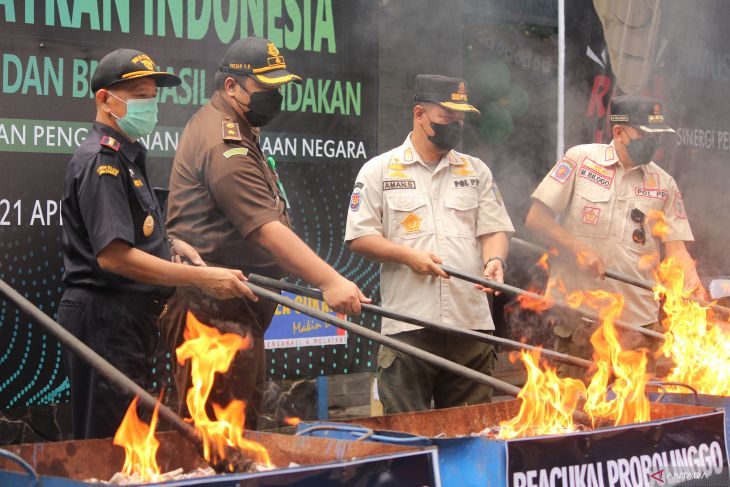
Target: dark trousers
408	384
247	374
123	331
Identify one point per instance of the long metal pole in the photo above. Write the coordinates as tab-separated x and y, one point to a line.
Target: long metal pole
96	361
633	281
406	318
506	288
387	341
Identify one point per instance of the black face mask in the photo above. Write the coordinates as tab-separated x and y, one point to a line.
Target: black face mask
263	107
446	135
641	151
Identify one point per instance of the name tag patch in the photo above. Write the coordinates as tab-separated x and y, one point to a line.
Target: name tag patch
595	177
405	184
652	193
466	183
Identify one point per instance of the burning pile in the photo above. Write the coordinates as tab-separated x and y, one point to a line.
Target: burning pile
699	349
211	352
551	404
224	444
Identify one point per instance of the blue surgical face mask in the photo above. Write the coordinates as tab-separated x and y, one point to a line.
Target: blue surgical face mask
140	119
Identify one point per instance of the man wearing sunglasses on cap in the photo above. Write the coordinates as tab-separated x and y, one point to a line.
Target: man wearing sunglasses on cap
116	253
606	197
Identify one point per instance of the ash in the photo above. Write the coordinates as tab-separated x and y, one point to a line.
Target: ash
493	432
120	478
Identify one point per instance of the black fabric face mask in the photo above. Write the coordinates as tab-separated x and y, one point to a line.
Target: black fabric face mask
446	135
641	151
263	107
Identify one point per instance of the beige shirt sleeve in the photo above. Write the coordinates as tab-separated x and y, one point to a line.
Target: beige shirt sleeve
556	190
676	216
365	211
492	214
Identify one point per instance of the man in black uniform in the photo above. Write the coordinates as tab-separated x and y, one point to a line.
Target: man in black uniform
117	256
227	201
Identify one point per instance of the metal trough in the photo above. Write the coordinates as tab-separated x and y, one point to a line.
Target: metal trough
322	462
644	454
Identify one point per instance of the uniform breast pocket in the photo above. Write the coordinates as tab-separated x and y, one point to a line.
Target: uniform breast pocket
461	214
409	216
144	196
591	212
640	219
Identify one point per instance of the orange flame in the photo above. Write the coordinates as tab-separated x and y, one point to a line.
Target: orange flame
658	223
699	349
548	402
628	367
211	352
542	262
139	443
292	421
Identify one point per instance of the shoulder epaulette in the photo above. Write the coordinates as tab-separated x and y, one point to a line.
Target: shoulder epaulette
110	142
231	132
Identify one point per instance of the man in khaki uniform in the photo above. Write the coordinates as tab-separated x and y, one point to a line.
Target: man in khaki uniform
419	205
605	196
226	199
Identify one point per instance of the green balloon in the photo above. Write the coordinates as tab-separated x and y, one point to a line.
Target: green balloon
497	125
516	100
492	79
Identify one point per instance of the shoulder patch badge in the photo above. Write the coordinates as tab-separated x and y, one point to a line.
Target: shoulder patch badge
563	170
231	131
107	169
679	206
497	194
110	142
355	200
238	151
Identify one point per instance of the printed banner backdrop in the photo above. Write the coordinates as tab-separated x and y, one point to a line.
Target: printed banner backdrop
290	329
688	451
327	130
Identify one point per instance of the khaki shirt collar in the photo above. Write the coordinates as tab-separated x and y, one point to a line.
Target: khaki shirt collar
409	155
611	157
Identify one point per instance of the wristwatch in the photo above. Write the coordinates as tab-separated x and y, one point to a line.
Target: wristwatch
504	264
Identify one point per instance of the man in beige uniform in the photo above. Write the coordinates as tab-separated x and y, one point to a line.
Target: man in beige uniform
417	206
605	196
226	197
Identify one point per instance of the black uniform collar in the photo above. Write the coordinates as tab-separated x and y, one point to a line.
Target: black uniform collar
130	150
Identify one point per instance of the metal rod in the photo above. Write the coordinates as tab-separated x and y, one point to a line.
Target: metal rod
387	341
633	281
96	361
406	318
506	288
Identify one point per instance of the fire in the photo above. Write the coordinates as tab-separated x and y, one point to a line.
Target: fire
292	421
211	352
627	367
658	223
139	443
699	349
548	401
